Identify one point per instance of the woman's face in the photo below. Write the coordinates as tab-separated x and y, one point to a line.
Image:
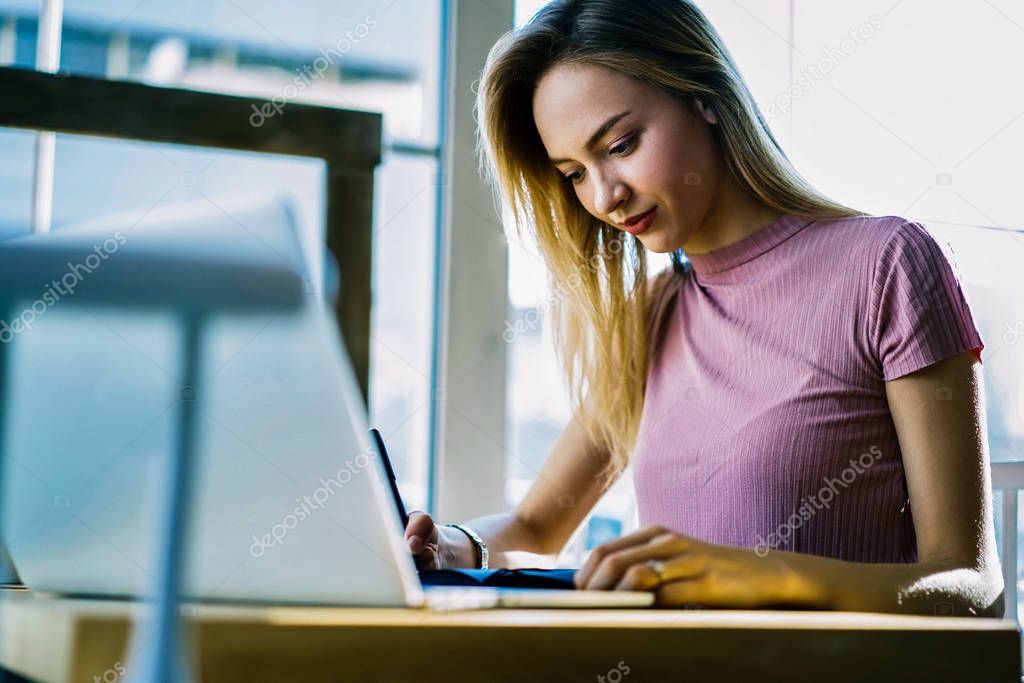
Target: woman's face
660	155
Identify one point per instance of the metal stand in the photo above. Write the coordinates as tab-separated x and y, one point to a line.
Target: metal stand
163	651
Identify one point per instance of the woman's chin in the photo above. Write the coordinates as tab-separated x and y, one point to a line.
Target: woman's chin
657	243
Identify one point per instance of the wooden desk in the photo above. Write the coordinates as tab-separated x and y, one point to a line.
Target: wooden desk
52	639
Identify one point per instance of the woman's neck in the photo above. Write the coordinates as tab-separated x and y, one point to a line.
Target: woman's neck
734	215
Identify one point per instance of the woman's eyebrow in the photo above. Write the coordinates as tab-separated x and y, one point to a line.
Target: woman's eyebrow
599	133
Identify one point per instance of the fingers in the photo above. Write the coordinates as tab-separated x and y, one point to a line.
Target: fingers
681	568
598	554
615	566
420	524
679	593
419	532
427	559
422	538
710	590
416	544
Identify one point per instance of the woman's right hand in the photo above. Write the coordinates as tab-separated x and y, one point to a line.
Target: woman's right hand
426	542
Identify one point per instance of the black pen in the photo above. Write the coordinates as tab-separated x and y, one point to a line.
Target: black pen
378	440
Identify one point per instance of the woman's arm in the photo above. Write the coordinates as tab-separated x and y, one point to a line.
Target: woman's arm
568	487
940	420
939	414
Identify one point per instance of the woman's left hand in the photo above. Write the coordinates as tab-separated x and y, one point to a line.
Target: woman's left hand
697	573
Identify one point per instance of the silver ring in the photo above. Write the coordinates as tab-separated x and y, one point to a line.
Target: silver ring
658	567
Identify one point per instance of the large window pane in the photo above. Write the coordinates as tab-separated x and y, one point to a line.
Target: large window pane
16	182
939	136
376	56
400	352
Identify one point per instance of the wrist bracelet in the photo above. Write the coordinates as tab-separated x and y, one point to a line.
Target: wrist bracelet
478	542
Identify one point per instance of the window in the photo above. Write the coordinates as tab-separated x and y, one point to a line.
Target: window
354	55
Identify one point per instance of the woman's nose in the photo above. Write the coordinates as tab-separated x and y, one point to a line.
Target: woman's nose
610	193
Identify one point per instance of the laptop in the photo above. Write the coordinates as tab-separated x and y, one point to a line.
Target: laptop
291	502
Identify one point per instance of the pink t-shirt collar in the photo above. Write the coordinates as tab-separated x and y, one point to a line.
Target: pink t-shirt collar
750	247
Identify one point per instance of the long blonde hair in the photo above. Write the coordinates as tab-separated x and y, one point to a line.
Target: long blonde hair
604	326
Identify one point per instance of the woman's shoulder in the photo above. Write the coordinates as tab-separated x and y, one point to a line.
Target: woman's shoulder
887	255
863	227
868	229
872	239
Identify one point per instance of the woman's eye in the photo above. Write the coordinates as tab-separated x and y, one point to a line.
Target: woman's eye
624	146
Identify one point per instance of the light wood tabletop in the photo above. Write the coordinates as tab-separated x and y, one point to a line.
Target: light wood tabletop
48	638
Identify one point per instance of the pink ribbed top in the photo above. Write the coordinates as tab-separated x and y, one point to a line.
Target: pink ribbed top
765	421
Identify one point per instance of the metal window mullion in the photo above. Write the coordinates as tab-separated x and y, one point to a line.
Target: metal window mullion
1010	552
51	16
1009	478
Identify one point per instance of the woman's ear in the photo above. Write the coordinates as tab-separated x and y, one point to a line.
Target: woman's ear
705	111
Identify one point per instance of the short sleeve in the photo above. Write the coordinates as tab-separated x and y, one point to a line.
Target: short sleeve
920	314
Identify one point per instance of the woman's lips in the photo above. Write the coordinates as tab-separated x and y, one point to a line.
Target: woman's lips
642	224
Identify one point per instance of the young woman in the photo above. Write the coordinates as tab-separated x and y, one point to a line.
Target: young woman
800	395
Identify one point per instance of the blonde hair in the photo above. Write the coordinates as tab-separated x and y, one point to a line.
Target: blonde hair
604	327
